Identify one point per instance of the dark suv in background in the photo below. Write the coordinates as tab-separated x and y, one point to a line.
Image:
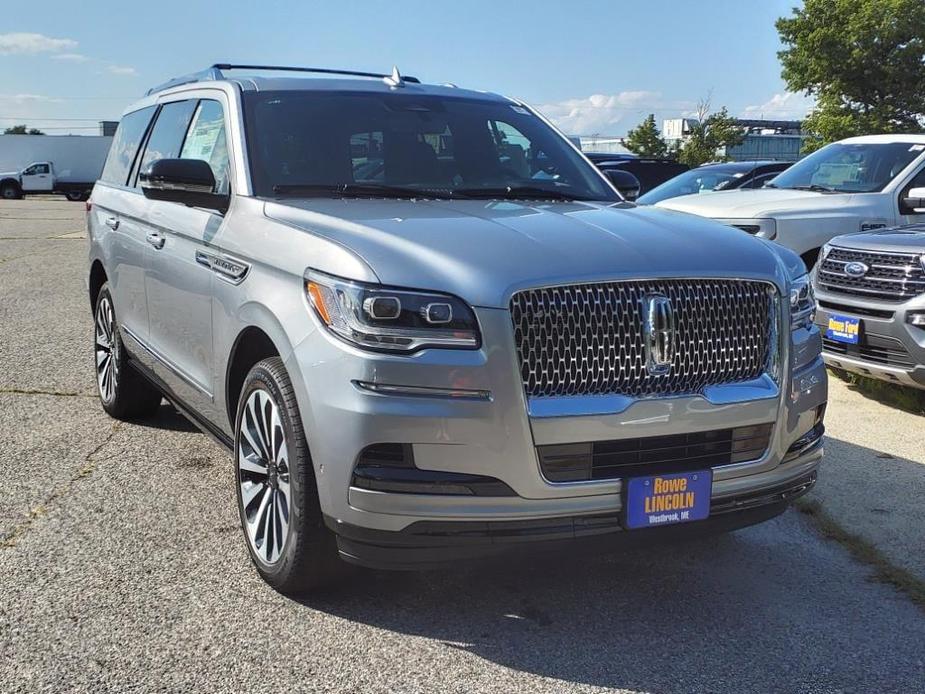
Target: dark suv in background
649	171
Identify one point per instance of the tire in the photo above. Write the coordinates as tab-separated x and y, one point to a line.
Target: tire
277	493
10	191
74	195
124	393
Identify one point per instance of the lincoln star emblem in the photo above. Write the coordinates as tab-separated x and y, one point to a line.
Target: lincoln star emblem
660	333
856	269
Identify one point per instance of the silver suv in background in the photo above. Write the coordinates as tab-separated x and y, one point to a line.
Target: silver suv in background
429	329
871	297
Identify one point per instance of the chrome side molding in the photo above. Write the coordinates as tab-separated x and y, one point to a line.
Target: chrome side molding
227	268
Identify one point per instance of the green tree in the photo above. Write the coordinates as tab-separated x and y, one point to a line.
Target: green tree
710	133
646	140
863	60
22	130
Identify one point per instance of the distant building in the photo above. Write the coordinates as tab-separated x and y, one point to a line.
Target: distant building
108	127
780	140
603	143
674	129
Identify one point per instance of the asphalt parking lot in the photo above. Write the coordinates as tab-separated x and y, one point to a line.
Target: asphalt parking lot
122	568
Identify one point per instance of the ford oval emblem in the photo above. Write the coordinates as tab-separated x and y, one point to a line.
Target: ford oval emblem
856	269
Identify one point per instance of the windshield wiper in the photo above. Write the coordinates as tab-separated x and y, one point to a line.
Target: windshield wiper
516	193
816	188
354	190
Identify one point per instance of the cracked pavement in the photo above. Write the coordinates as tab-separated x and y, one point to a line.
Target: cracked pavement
122	567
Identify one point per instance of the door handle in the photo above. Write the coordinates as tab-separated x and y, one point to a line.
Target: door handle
112	223
156	240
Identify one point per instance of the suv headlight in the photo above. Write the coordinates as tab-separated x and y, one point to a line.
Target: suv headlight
802	303
393	320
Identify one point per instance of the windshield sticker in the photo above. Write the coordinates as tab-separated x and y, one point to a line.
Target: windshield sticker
521	110
916	148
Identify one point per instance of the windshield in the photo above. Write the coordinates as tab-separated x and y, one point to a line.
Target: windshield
688	183
387	145
849	168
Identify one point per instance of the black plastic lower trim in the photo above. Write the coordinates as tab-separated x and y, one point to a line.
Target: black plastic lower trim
207	427
428	544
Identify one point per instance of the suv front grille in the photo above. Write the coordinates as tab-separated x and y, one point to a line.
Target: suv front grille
890	277
587	339
653	455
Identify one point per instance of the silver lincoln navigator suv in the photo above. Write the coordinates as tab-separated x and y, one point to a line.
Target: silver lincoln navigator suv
429	329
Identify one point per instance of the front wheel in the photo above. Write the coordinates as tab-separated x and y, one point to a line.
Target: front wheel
74	195
278	502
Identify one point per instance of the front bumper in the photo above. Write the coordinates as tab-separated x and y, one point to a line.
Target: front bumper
429	544
889	348
494	436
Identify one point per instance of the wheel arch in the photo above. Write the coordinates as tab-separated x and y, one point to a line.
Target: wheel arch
97	279
250	346
11	181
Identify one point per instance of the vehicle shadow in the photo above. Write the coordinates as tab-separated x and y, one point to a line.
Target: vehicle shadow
770	608
168	419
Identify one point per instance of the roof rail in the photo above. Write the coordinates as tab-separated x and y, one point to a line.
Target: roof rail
215	73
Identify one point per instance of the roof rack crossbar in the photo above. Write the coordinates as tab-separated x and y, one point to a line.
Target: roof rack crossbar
215	72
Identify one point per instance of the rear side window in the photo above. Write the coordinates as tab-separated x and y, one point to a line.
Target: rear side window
125	146
168	132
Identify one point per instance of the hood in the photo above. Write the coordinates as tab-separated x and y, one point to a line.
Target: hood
9	174
907	239
762	202
483	251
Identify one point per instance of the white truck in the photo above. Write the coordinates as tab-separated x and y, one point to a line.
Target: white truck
65	164
854	185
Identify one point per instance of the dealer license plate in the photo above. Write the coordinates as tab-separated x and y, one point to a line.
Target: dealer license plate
843	329
668	499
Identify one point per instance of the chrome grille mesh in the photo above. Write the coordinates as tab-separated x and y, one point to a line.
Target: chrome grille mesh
587	339
891	276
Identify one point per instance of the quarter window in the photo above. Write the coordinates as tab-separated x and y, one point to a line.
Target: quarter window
125	146
168	132
206	141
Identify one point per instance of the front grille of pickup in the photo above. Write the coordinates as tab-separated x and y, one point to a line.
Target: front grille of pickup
588	339
890	276
653	455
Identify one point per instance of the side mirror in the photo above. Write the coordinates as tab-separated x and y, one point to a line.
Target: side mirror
626	183
914	200
186	181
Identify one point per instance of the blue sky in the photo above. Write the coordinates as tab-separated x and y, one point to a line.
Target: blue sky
594	67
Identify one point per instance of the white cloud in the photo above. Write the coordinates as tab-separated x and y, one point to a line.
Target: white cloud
605	114
28	43
781	106
71	57
20	99
124	70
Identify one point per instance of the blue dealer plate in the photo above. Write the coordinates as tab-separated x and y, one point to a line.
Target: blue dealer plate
843	329
668	499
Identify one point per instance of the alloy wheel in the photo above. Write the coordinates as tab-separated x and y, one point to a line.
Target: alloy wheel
263	476
107	369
